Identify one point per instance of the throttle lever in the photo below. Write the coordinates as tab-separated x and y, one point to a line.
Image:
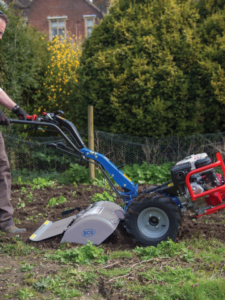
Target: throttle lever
31	118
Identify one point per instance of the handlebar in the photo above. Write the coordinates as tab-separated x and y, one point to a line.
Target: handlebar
53	120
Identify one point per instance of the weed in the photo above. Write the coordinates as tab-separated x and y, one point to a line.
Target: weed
26	267
65	293
120	254
29	281
4	270
83	255
28	275
101	183
17	221
74	194
115	272
57	285
105	196
25	293
63	245
166	249
2	233
23	190
43	284
54	201
20	204
82	277
76	173
17	248
39	183
30	197
151	174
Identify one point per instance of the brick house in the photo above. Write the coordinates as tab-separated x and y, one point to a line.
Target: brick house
59	17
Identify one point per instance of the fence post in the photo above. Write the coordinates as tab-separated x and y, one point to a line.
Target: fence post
91	144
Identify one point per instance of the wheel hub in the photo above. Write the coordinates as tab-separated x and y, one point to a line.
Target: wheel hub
153	222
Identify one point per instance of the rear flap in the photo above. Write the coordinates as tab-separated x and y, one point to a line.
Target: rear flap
49	229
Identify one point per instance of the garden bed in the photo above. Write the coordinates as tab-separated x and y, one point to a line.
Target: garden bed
32	210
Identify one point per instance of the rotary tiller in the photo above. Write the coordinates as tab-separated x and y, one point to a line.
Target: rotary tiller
152	216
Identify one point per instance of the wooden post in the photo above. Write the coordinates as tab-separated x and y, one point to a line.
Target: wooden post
91	144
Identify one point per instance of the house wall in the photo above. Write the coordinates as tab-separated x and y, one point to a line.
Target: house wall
39	10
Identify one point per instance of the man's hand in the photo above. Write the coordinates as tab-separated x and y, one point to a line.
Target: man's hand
3	119
21	114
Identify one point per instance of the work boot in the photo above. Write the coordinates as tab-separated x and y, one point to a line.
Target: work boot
13	229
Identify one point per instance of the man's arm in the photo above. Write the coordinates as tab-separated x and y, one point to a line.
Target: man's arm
6	101
10	104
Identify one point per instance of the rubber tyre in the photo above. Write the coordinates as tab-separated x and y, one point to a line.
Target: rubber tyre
137	219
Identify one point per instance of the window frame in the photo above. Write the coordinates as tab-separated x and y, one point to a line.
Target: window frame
56	19
86	18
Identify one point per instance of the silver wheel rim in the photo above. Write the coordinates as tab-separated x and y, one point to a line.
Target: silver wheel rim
153	222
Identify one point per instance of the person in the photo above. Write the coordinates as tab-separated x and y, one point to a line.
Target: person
6	209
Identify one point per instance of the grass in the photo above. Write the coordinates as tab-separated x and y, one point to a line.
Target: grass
193	269
143	273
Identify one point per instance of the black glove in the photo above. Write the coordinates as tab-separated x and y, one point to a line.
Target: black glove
21	114
3	119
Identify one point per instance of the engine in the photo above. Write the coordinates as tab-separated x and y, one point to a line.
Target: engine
200	182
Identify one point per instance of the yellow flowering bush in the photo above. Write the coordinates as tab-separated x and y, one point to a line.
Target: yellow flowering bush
60	78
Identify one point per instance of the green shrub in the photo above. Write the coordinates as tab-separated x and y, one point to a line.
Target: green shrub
151	174
23	57
155	68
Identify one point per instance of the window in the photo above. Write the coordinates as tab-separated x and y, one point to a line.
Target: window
57	27
89	21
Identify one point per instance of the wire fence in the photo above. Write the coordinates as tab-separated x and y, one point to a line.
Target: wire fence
32	153
124	149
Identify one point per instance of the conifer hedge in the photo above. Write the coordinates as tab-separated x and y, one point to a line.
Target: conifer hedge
23	60
156	68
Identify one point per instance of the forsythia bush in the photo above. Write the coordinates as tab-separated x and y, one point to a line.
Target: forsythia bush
58	86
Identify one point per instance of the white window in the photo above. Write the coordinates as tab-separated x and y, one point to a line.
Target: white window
89	21
57	27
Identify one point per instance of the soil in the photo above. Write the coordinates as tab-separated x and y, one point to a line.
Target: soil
32	210
36	211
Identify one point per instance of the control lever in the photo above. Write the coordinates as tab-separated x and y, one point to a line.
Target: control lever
61	144
51	145
59	112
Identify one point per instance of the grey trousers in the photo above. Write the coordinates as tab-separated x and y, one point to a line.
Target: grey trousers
6	209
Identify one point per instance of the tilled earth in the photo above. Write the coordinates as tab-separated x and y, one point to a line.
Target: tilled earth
32	210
